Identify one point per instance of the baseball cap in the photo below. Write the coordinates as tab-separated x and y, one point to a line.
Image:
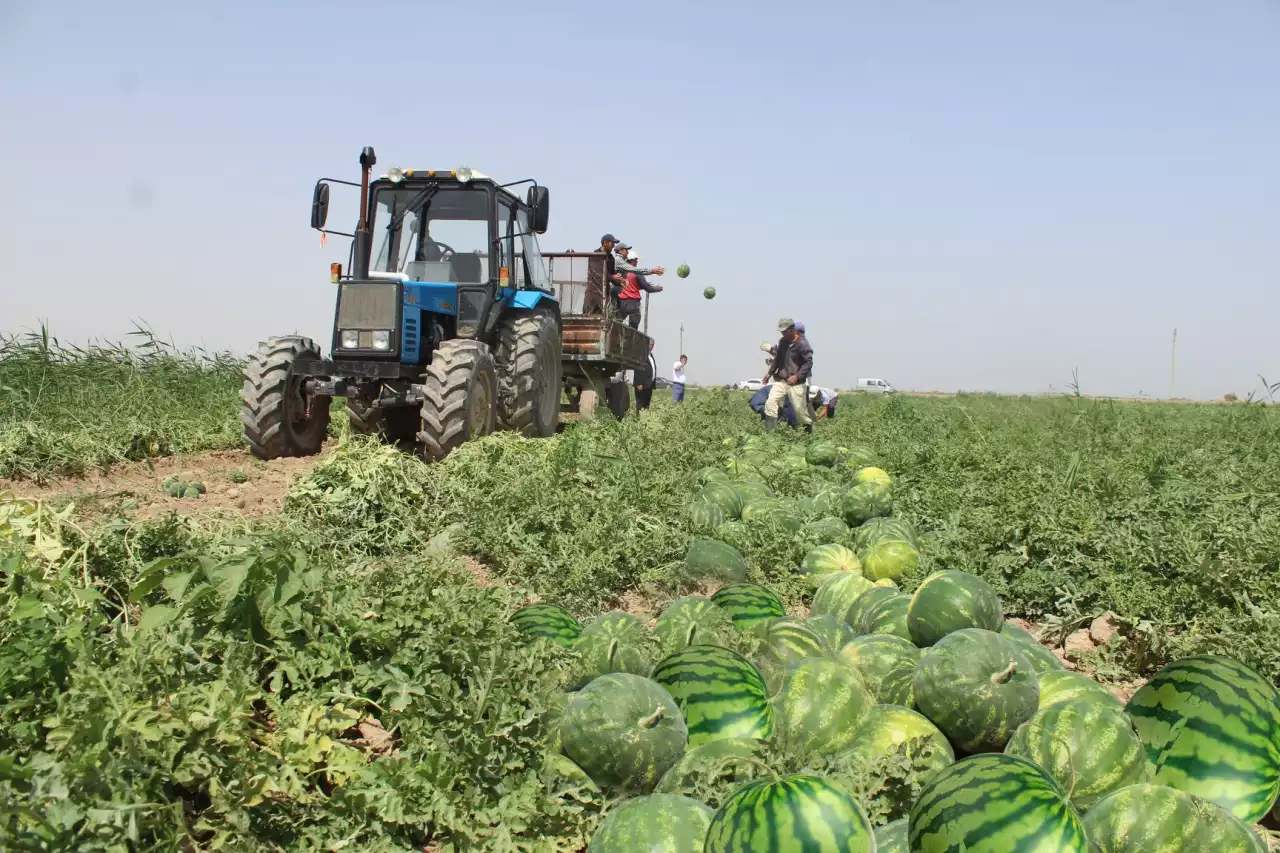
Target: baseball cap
608	238
799	327
621	247
785	323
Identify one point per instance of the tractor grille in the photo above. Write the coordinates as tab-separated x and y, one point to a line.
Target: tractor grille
368	305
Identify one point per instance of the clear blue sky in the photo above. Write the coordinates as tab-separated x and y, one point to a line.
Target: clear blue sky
977	195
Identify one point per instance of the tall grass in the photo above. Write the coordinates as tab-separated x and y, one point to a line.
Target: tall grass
66	409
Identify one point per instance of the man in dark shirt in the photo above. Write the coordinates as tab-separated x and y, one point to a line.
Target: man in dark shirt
790	370
603	275
644	377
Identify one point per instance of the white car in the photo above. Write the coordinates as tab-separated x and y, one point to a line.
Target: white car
874	386
751	385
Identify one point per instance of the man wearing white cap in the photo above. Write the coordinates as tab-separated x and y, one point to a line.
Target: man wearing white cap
629	297
790	369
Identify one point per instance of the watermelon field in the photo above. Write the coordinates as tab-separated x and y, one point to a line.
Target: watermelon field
973	623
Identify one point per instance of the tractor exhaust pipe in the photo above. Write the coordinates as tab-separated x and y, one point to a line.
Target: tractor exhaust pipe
363	235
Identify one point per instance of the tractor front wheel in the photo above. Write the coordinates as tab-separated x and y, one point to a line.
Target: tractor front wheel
275	412
528	363
460	393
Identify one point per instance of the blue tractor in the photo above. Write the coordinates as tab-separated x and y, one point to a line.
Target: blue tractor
446	325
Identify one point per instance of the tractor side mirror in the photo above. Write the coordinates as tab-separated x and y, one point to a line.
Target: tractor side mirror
540	204
320	206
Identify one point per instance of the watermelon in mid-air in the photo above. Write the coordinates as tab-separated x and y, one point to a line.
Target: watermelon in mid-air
683	270
709	293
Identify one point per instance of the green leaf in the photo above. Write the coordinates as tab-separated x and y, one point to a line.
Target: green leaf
26	608
156	616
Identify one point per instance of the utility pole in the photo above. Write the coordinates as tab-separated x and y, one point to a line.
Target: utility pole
1173	363
681	340
646	314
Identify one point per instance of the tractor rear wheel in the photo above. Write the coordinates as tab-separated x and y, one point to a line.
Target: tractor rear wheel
460	393
275	415
528	363
398	424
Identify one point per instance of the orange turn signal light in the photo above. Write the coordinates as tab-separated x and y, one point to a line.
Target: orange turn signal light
335	272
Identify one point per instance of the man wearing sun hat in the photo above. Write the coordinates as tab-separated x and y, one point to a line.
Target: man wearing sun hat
790	369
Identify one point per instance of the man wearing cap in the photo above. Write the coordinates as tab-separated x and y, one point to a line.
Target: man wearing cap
602	273
628	300
790	369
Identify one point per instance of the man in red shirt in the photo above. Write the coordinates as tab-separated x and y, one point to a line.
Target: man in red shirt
629	296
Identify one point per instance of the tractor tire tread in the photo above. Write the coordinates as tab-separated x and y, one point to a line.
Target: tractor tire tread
263	395
522	372
445	385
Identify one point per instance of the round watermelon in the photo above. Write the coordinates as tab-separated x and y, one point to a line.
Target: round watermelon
865	501
657	823
749	605
887	616
1089	749
785	642
690	621
829	559
833	631
872	474
1041	658
889	559
826	529
1210	725
613	642
977	687
820	707
892	837
860	456
1061	685
723	495
837	592
708	293
706	516
949	601
995	804
821	453
547	620
801	812
886	527
713	771
683	270
721	693
1147	818
892	727
865	601
887	663
625	731
709	559
710	474
825	502
750	490
771	512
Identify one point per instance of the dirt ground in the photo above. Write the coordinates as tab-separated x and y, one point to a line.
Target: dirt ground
138	487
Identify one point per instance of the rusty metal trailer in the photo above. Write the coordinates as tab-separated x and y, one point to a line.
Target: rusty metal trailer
596	349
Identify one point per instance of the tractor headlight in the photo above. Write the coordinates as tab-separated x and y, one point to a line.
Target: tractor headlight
382	339
464	174
350	339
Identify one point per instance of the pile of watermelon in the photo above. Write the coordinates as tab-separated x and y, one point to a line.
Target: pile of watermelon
732	722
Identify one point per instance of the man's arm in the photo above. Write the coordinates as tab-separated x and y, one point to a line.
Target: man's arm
626	267
643	284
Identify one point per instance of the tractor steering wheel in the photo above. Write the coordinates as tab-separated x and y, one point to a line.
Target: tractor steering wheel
446	251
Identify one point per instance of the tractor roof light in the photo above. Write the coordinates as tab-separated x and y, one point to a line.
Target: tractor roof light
395	174
464	174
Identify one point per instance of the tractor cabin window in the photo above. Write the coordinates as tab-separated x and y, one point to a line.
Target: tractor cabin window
439	236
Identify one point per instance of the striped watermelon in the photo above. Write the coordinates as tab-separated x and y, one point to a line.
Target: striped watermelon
820	707
1158	819
801	812
949	601
692	620
624	731
751	491
888	666
887	616
884	528
995	804
547	620
613	642
771	511
828	528
558	768
864	501
658	823
785	642
837	593
867	600
711	558
833	631
706	516
1210	726
872	474
886	558
1041	658
749	605
860	456
828	559
711	474
1062	685
721	693
890	728
977	687
723	495
822	453
713	771
892	837
1088	748
740	469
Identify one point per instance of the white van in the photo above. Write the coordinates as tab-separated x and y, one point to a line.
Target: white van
874	386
